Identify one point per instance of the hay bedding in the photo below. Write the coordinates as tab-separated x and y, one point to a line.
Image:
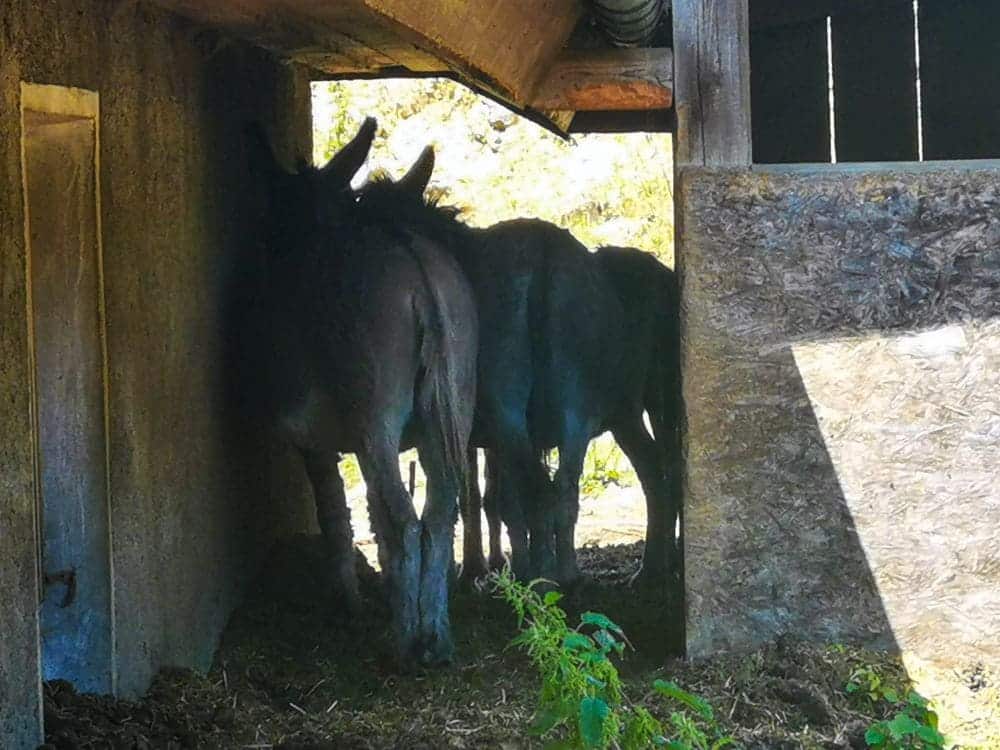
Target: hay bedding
292	674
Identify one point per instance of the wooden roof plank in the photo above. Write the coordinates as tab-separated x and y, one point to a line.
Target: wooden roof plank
507	46
612	79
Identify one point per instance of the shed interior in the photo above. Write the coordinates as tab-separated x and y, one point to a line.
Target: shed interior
905	81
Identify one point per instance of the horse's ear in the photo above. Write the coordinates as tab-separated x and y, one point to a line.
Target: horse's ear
348	160
415	181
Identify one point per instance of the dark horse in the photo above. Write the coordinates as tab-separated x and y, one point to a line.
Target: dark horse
649	381
368	339
558	365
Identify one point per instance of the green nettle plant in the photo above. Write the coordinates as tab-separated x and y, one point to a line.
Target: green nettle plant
602	469
581	704
914	726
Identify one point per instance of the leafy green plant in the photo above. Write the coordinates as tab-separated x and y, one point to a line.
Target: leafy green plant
694	726
913	724
866	682
602	467
581	704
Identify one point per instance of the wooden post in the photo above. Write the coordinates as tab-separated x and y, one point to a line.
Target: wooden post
712	105
712	82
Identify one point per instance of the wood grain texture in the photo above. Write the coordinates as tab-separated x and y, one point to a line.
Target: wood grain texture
841	354
616	79
508	46
505	48
335	38
712	82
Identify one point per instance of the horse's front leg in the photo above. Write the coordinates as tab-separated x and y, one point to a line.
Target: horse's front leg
438	519
567	506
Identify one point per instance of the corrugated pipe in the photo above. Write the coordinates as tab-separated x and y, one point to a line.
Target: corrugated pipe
628	23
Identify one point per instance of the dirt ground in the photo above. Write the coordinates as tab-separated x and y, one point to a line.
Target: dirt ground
293	673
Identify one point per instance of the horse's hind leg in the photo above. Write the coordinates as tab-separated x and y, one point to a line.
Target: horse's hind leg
397	531
662	554
491	504
335	522
522	497
567	504
438	538
473	561
517	475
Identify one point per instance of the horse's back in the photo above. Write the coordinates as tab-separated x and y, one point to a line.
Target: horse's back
575	326
345	333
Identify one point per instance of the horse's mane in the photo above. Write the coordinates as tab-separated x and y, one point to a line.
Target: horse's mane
383	199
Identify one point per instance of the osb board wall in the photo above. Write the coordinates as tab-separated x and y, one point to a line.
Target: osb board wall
189	516
842	387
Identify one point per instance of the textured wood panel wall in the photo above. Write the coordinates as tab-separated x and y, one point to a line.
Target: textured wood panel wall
841	362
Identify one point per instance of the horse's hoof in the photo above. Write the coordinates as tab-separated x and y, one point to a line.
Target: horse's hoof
439	652
647	579
472	573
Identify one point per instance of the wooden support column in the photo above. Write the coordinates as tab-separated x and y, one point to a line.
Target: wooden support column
712	82
712	104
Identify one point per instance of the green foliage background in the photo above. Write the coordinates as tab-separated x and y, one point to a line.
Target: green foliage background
605	188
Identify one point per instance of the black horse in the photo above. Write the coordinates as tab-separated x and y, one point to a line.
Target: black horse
651	383
551	354
367	340
649	380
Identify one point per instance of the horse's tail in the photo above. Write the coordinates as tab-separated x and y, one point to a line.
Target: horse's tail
442	386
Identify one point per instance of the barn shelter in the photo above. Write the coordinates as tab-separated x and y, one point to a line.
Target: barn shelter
840	344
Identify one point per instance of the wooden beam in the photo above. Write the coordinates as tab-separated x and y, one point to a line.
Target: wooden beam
615	79
505	46
712	82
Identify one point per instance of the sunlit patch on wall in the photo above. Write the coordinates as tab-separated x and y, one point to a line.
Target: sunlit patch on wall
912	426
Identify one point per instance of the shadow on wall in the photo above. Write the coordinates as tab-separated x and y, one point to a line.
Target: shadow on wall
842	351
275	501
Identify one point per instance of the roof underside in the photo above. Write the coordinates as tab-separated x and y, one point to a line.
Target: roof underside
515	50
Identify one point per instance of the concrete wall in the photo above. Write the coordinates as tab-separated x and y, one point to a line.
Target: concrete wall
188	513
842	385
